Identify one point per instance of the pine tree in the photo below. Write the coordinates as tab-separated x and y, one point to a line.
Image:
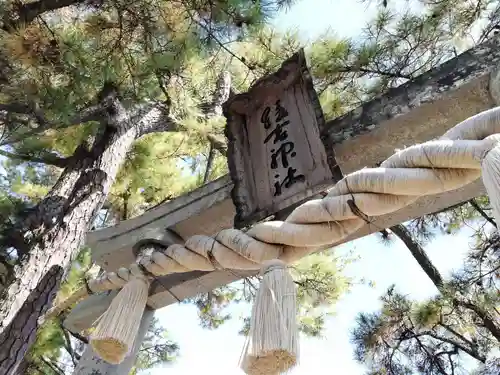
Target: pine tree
406	337
89	84
462	320
483	262
56	350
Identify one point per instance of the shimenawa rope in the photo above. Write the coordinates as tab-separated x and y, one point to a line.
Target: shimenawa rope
448	163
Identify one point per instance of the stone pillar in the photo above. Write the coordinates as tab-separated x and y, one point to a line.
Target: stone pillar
494	85
88	310
91	364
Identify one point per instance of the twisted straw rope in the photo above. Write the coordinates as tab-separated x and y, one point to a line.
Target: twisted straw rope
448	163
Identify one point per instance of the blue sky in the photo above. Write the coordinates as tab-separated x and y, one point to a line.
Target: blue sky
314	17
218	352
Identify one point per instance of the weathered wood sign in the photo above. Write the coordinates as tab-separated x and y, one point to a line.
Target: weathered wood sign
275	154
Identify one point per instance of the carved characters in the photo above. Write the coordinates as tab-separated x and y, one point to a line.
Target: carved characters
288	181
265	118
276	154
283	153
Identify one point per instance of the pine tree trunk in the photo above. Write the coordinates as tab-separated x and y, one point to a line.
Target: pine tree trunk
23	367
58	226
57	231
18	336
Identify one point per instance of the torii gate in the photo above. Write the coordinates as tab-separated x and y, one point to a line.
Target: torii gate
417	111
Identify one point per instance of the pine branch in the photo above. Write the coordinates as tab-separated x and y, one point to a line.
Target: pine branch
454	332
429	355
220	95
218	144
221	44
431	271
478	208
489	323
419	254
27	12
210	160
67	345
352	69
469	351
54	367
47	158
77	336
91	113
154	118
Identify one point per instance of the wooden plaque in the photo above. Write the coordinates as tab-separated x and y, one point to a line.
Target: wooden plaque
275	155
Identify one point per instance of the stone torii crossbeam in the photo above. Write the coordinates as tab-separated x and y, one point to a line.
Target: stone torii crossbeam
417	111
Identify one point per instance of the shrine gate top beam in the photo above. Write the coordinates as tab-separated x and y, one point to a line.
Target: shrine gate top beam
420	110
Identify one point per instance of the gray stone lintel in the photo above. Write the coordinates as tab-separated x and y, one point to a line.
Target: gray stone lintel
417	111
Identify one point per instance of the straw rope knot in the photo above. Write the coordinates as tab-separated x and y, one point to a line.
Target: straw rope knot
271	265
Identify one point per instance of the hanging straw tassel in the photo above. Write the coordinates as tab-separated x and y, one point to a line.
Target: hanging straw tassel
491	178
117	328
273	339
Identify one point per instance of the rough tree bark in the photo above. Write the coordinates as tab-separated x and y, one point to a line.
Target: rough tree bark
26	12
18	336
57	227
418	252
